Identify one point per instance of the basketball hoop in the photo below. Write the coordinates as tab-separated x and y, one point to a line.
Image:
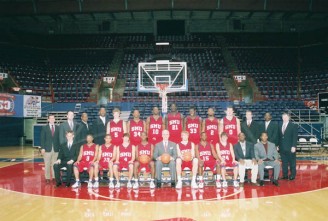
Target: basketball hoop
162	89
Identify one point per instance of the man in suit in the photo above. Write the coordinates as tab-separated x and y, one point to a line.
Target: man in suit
287	147
68	153
250	128
82	130
169	147
49	146
99	127
67	125
266	154
244	154
271	128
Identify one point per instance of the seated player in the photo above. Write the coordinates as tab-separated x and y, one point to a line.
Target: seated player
106	157
181	162
87	157
207	157
226	155
144	148
125	159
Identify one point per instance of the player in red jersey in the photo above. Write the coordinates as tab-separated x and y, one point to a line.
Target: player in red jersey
116	128
192	124
211	126
227	158
125	159
87	157
144	148
207	157
174	124
231	125
154	127
186	146
106	157
135	127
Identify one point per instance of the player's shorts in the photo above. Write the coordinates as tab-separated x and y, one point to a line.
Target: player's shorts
155	139
210	164
186	164
103	165
229	164
83	164
135	143
195	140
175	139
213	142
123	165
232	139
144	165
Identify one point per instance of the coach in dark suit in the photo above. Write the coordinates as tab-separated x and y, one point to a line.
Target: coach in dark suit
271	128
67	125
250	128
82	130
99	127
169	147
49	146
287	147
68	153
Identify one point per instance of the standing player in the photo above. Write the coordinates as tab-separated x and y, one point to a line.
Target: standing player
227	158
125	159
154	127
144	148
174	124
116	128
192	124
207	157
211	127
87	157
231	126
135	127
182	148
106	157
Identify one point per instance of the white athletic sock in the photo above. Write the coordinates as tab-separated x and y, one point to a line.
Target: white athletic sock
200	177
77	180
90	180
193	179
96	179
179	177
111	179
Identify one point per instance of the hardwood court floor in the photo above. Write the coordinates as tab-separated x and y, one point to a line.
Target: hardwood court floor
25	196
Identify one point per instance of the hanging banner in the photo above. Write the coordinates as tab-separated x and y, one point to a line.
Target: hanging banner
15	105
32	106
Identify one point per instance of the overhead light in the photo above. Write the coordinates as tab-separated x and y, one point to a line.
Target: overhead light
28	91
162	43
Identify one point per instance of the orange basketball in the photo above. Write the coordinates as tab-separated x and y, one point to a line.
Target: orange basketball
144	159
165	158
187	156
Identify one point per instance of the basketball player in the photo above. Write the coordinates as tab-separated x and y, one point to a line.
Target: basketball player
135	127
230	125
207	157
174	124
186	146
87	157
125	159
192	124
144	148
116	128
154	127
211	127
106	157
227	158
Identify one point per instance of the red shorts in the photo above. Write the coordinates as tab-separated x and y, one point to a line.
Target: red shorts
103	165
83	164
135	143
186	164
229	164
144	165
123	165
154	140
210	164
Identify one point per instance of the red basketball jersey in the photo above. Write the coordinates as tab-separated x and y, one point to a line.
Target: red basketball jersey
174	124
205	152
193	127
125	153
230	127
155	130
116	132
135	131
89	152
106	153
212	130
144	149
185	147
225	152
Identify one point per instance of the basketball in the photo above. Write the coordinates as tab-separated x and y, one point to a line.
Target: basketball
144	159
187	156
165	158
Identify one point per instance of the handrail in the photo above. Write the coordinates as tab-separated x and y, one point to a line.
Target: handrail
300	120
298	115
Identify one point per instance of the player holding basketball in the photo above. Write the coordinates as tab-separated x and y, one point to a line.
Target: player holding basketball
211	127
135	127
230	125
182	161
125	159
144	148
192	124
174	124
227	158
207	157
116	128
87	157
154	127
106	157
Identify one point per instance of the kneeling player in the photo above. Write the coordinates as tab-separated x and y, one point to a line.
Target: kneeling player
182	162
144	148
207	157
125	159
87	157
227	157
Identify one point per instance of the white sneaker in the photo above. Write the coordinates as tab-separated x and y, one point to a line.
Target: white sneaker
76	184
96	184
152	185
90	184
118	185
201	184
218	184
235	183
179	184
194	185
224	184
129	185
111	185
135	185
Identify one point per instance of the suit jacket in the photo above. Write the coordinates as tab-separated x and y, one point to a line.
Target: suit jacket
159	149
273	132
289	138
47	140
81	133
66	155
62	131
252	133
260	153
99	130
239	152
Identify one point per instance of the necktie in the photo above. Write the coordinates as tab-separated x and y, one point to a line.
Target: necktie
52	130
283	128
248	123
165	146
71	125
87	126
69	146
